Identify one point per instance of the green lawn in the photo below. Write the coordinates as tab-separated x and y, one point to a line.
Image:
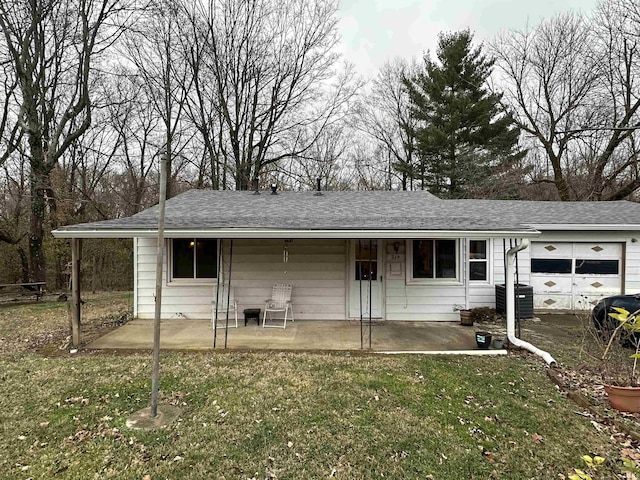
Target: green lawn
287	415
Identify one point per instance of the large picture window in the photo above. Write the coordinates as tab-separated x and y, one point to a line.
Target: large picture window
435	259
194	258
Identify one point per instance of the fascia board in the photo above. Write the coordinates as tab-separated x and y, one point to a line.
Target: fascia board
585	227
264	233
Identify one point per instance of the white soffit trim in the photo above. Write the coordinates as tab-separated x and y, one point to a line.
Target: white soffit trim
585	226
258	233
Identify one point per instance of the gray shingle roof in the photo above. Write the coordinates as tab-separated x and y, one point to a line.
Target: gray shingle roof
364	210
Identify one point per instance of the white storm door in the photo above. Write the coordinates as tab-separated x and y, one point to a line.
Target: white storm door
365	263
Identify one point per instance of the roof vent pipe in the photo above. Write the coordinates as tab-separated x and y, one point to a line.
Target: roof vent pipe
511	304
274	188
318	187
256	188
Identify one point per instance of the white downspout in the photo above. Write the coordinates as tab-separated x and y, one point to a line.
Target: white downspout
510	300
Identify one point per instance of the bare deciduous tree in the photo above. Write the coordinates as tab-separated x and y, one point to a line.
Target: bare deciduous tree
13	210
156	48
273	67
385	116
133	117
51	46
572	83
548	76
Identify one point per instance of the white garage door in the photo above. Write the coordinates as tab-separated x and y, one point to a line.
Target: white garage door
574	276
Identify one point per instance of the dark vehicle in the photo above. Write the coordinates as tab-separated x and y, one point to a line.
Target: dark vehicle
600	313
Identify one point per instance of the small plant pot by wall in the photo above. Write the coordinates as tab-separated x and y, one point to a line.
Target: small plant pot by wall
623	399
483	340
498	343
465	318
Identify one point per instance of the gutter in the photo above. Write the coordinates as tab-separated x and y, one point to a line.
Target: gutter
585	226
263	233
510	300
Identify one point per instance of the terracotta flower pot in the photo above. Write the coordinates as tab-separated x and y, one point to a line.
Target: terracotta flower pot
465	318
624	399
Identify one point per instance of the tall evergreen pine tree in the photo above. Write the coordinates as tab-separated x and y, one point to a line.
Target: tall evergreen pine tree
463	131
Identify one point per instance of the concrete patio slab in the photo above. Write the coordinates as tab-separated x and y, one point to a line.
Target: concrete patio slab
181	334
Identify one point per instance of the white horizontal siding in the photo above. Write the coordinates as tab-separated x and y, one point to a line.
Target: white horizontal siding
418	302
410	302
315	268
483	294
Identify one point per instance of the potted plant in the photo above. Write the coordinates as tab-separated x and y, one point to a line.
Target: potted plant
466	318
620	368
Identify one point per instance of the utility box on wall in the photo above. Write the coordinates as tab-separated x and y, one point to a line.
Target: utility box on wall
524	300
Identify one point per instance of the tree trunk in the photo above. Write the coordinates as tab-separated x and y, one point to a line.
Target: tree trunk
38	177
24	263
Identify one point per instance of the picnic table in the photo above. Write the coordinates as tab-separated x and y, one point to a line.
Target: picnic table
38	288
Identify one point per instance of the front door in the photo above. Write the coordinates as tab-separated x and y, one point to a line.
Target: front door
365	264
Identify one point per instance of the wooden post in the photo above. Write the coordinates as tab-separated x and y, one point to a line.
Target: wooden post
76	318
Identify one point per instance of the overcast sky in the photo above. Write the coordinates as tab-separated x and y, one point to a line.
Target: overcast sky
374	31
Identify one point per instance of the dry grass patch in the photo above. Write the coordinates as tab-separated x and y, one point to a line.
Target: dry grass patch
44	325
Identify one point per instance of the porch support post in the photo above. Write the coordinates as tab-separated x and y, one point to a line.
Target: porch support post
76	320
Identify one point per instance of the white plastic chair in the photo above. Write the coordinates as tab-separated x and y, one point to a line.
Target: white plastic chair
222	308
280	301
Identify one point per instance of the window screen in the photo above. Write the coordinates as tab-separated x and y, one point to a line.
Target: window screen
206	258
194	258
478	260
183	257
434	258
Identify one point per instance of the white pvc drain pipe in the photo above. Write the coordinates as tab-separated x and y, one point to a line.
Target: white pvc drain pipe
511	316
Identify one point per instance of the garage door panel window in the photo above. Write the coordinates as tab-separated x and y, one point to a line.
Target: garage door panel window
597	267
551	265
194	258
582	266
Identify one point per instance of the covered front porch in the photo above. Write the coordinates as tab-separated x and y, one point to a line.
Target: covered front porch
384	260
323	335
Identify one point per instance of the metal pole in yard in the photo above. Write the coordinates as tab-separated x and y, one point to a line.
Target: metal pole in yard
517	293
158	307
226	327
219	281
358	263
370	280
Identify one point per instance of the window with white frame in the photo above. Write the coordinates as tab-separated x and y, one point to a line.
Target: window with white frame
194	258
434	258
478	260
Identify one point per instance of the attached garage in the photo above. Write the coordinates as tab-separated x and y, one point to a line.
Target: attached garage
575	275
